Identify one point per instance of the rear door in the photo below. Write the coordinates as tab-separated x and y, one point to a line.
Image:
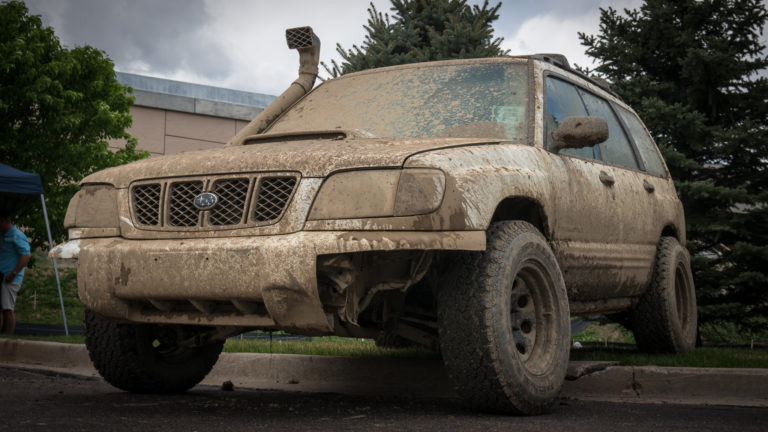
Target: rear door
660	196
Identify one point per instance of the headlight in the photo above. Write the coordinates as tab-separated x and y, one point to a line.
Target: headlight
93	206
379	193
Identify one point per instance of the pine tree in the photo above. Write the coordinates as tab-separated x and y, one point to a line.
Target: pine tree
695	71
422	30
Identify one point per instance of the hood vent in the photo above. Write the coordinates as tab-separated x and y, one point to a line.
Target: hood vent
330	135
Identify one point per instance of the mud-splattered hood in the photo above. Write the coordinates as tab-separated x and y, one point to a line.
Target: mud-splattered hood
313	158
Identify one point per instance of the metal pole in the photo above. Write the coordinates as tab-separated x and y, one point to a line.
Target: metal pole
55	267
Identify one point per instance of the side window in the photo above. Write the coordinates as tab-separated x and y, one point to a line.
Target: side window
645	145
563	100
617	149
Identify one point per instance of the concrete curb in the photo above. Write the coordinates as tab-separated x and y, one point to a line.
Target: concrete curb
601	381
72	358
705	386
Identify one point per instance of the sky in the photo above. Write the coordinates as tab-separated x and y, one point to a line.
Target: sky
240	44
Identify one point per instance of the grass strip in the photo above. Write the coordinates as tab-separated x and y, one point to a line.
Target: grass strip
352	347
38	298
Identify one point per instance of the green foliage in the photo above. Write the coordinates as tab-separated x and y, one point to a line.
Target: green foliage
731	334
422	30
608	332
58	109
695	71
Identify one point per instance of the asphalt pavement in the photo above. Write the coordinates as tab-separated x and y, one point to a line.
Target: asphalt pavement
587	381
37	400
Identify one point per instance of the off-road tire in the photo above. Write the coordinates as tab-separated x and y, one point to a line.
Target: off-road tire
128	357
665	318
482	312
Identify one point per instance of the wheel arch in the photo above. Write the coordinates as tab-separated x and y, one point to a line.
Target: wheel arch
524	209
670	230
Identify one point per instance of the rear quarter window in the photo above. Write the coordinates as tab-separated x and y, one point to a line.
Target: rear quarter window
644	143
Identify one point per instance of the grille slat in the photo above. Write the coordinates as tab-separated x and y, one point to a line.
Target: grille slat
146	202
266	196
181	210
233	196
273	195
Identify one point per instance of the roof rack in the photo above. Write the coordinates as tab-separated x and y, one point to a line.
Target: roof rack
558	60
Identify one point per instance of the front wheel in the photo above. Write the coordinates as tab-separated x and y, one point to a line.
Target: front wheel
504	323
145	358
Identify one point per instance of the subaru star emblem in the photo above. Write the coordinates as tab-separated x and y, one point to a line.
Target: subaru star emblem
206	200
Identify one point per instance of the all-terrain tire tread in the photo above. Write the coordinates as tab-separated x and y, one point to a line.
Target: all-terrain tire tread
114	351
470	358
653	324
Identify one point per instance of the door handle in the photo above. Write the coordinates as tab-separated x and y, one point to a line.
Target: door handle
648	186
607	179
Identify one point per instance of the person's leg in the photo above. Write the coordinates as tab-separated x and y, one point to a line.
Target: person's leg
9	322
3	296
7	303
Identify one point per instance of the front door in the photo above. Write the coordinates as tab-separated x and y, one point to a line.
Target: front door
600	230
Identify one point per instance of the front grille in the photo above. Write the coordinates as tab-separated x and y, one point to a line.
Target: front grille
247	200
181	210
274	193
146	199
233	195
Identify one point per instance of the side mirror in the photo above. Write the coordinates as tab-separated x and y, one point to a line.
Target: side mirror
579	132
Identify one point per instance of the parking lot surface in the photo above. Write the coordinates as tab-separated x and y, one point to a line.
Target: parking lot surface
31	400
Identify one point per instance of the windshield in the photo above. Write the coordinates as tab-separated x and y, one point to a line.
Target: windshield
460	100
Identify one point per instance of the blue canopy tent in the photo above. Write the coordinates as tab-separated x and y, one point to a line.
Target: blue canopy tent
16	189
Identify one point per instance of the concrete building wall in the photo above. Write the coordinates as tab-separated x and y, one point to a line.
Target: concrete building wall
172	117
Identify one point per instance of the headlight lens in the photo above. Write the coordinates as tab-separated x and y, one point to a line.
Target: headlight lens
93	206
379	193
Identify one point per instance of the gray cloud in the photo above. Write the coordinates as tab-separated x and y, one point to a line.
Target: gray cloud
239	44
157	36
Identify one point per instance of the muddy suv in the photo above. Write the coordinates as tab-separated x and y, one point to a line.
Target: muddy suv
470	205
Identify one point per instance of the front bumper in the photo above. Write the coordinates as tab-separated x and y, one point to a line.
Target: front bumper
260	281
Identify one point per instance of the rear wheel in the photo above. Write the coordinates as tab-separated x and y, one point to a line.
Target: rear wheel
665	318
504	323
145	358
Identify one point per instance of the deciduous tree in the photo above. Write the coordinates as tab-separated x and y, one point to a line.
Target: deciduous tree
58	109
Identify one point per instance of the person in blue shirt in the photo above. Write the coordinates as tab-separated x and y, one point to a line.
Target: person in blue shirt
14	256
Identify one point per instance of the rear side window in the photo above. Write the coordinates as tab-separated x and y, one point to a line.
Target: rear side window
617	150
563	101
645	145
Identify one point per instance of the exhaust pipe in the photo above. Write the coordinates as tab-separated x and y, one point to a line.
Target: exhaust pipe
305	41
